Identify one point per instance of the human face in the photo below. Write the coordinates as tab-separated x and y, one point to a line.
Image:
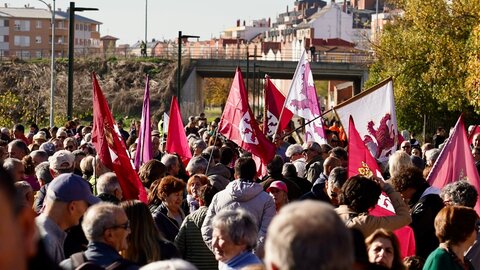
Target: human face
223	247
19	172
476	154
77	209
195	187
279	196
381	252
15	152
333	192
309	154
174	201
70	146
416	152
155	143
296	156
476	140
116	236
407	147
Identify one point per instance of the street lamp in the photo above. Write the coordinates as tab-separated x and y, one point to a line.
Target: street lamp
71	36
52	61
179	69
146	8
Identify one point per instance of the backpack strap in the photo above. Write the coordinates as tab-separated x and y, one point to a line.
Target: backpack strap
78	259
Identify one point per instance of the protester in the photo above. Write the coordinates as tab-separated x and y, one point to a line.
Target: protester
456	229
313	157
274	173
359	195
106	227
189	239
384	250
173	264
242	192
424	203
14	168
68	197
193	191
151	171
289	173
109	189
279	192
172	164
233	238
17	149
169	214
308	235
42	172
38	156
145	243
24	194
294	153
398	162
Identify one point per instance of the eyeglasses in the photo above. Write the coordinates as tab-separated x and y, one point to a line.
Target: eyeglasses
124	226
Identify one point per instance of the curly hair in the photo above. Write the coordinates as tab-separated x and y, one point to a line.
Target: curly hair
411	177
460	193
360	193
169	185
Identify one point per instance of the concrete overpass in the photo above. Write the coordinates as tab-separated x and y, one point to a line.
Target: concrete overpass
192	94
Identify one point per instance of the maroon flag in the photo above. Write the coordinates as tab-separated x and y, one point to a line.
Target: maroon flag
361	161
274	101
177	139
110	147
238	124
144	152
455	162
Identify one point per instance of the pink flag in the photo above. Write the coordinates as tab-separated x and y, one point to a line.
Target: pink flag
361	162
455	162
110	147
144	152
177	139
302	101
238	124
274	101
374	112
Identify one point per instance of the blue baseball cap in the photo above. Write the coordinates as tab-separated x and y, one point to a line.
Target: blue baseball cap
68	187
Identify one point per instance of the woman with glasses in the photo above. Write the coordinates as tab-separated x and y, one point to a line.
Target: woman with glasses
169	214
145	243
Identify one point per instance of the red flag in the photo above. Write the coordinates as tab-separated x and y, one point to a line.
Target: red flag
144	152
110	147
177	139
239	125
474	131
361	161
274	100
455	162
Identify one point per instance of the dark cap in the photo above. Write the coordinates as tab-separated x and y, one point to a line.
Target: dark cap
68	187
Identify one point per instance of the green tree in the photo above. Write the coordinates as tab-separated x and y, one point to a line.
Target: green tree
431	50
216	91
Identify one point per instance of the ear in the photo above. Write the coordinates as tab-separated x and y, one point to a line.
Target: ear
26	222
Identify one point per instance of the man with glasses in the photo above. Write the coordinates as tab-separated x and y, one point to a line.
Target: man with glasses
406	147
68	197
106	227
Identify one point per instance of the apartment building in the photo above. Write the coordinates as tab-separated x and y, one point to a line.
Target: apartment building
26	33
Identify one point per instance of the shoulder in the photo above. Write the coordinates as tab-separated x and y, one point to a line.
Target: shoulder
438	257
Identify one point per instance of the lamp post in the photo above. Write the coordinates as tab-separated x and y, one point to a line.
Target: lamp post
179	69
52	62
71	37
146	14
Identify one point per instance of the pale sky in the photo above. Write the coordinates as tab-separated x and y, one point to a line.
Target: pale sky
125	19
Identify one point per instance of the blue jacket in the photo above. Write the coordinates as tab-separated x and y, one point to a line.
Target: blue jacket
238	262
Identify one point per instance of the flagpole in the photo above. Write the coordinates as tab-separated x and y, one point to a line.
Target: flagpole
211	152
285	135
265	106
286	99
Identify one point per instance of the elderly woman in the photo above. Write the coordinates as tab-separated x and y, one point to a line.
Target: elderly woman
233	239
194	184
456	229
169	214
383	249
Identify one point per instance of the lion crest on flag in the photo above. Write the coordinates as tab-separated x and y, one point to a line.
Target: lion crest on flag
380	139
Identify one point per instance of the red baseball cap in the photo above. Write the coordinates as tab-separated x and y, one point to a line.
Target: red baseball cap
278	185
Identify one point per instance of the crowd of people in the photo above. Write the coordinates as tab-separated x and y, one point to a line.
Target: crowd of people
62	208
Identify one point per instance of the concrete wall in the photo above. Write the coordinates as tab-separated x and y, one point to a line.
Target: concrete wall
191	95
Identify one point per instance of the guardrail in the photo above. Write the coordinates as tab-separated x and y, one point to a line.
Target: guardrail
193	52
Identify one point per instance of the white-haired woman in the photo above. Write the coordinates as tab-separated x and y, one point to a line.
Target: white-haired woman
234	237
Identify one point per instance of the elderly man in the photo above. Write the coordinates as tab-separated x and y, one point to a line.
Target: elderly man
324	244
313	156
197	164
68	197
406	147
172	163
17	149
106	227
294	153
108	188
39	156
15	168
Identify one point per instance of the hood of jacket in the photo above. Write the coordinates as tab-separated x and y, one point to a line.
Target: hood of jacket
242	190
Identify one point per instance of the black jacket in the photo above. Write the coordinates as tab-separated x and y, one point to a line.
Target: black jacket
169	227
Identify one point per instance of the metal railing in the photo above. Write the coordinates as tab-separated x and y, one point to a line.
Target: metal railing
201	52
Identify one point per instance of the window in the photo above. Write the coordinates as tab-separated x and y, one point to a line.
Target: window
39	24
17	25
61	25
61	40
38	39
38	54
21	25
77	27
22	41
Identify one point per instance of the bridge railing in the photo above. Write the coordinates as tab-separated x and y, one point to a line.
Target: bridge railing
170	52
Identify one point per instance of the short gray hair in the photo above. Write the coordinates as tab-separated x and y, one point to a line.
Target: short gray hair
10	163
42	172
239	225
197	165
431	156
23	188
398	162
293	149
99	217
338	176
199	144
308	233
460	193
107	183
169	160
39	153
